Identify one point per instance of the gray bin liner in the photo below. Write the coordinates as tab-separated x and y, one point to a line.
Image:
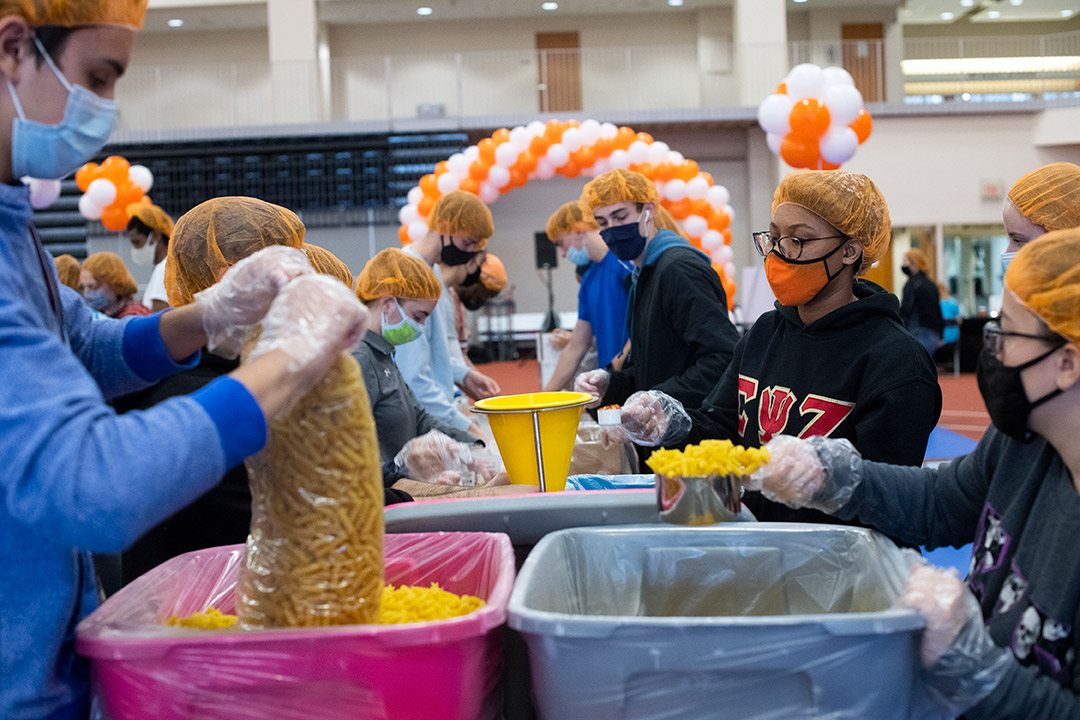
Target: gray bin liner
747	621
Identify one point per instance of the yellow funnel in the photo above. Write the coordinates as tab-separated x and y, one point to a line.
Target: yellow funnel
535	423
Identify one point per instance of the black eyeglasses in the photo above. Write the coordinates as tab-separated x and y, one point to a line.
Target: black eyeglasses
994	338
789	247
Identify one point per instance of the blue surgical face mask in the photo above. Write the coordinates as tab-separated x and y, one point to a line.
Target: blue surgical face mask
578	256
1006	258
404	331
97	300
626	241
53	151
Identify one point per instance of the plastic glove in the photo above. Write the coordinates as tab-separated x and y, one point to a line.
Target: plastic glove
962	664
437	458
312	320
807	473
652	418
593	382
236	303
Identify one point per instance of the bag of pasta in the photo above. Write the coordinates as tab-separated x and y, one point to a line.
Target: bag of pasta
314	556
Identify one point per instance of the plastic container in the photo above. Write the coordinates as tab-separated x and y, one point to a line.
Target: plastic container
535	425
611	482
748	621
445	669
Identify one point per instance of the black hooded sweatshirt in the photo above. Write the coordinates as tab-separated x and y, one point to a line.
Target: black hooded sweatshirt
854	374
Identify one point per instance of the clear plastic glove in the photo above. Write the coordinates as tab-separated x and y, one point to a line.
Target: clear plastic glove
312	320
962	665
817	472
595	383
235	304
652	418
437	458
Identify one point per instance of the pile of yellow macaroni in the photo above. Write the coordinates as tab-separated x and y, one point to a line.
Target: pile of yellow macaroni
212	619
711	457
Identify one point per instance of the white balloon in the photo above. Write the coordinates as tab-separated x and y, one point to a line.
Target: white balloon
696	188
718	196
457	163
805	80
774	114
418	229
472	154
838	145
675	157
102	192
43	193
675	190
619	159
638	151
844	103
488	192
724	253
601	166
774	142
498	176
558	153
89	209
520	138
712	241
730	212
609	130
449	182
837	76
590	131
408	214
535	128
658	152
544	168
661	187
572	139
729	270
695	225
506	155
141	176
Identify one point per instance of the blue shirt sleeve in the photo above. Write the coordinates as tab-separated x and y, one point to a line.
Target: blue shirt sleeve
145	353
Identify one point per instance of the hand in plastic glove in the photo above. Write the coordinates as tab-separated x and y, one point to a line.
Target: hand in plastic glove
437	458
803	473
938	595
652	418
312	320
479	386
595	383
239	300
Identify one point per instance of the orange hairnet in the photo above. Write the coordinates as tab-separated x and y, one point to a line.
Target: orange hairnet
462	213
848	201
108	268
327	263
493	273
396	273
1050	196
152	217
216	234
1045	275
919	259
67	268
568	219
74	13
616	186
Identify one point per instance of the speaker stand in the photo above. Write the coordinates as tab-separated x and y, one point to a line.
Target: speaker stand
551	322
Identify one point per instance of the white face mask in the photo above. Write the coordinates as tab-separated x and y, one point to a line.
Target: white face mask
144	256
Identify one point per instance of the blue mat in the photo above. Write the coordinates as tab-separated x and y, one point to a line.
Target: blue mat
944	444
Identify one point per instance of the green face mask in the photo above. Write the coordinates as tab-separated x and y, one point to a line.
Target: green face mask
404	331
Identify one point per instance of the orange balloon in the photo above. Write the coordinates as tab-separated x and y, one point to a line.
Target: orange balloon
500	136
571	169
809	119
470	184
487	150
430	185
718	220
624	138
719	270
646	169
680	209
478	170
701	208
708	178
425	205
86	175
439	170
862	125
583	158
526	162
553	132
115	168
145	200
403	235
686	170
128	193
604	147
729	290
573	123
781	89
824	164
727	236
663	171
799	153
645	138
518	176
538	146
114	218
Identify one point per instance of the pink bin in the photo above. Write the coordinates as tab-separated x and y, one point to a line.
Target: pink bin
443	669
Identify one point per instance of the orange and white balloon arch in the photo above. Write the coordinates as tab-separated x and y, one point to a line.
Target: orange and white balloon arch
510	158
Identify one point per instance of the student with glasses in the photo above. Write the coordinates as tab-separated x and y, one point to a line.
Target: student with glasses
1004	642
832	359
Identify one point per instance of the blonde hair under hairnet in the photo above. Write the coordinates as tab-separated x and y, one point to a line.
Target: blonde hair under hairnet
108	268
1050	196
920	260
67	269
616	186
1045	275
568	219
396	273
665	221
152	217
848	201
75	13
462	213
217	234
327	263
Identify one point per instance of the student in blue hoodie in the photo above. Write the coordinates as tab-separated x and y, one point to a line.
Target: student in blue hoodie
76	477
681	338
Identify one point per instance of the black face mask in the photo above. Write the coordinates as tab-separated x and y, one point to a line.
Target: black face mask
452	255
1003	392
472	278
906	270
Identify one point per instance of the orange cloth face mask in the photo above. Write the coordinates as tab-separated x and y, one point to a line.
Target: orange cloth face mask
798	282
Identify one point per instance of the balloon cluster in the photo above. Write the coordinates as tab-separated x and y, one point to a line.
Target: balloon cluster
109	188
816	118
511	157
43	193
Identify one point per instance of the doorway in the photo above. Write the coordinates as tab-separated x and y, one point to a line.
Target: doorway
558	62
864	58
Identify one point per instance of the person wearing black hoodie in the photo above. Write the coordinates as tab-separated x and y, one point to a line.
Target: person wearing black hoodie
920	304
832	359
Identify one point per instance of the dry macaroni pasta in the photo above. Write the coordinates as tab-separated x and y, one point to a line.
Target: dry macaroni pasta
211	619
314	556
711	457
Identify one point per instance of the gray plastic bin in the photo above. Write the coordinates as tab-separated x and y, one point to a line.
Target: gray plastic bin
747	621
